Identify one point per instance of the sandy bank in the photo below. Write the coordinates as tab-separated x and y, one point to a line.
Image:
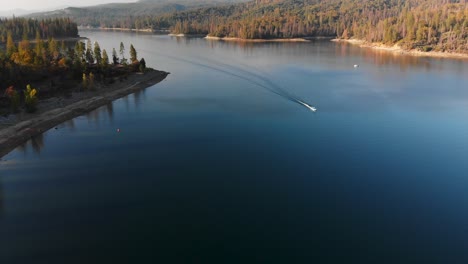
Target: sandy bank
187	35
397	49
57	110
257	40
146	30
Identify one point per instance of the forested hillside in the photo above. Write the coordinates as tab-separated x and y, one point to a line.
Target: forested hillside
440	25
21	28
139	15
424	24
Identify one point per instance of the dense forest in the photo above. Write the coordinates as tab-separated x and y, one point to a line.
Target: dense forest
440	25
137	15
38	60
21	28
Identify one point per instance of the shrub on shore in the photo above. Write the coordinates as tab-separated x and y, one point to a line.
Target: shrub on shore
14	97
30	99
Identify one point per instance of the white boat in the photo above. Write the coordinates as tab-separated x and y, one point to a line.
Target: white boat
311	108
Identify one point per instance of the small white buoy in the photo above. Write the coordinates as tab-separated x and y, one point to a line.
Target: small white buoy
356	65
118	130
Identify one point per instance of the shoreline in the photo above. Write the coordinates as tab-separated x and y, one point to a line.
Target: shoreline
146	30
31	125
398	50
257	40
187	35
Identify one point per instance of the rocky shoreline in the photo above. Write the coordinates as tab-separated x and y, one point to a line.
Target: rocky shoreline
258	40
63	109
398	50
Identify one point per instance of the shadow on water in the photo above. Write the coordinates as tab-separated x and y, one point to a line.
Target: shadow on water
95	115
2	203
256	79
37	143
110	111
138	97
70	124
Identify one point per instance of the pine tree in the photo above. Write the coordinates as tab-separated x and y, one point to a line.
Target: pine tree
105	59
39	49
89	52
97	53
115	59
53	49
122	54
133	54
10	46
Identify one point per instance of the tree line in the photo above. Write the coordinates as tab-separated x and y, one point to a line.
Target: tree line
38	60
440	25
23	28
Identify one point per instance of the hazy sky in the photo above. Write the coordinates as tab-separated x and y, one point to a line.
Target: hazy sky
51	4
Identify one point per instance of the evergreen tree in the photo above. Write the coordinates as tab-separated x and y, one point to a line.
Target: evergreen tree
105	59
53	49
89	52
122	54
142	65
63	48
122	49
115	59
133	54
97	53
39	49
10	46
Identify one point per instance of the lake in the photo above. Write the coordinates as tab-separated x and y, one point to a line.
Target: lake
220	163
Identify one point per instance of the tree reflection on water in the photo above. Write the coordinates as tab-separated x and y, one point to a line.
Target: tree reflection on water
1	201
37	143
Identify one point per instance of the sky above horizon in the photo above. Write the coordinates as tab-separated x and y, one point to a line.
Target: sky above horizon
7	5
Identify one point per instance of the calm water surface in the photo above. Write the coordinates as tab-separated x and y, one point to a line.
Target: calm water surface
219	164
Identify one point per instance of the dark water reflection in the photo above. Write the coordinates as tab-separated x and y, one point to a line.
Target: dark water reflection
37	143
211	165
2	203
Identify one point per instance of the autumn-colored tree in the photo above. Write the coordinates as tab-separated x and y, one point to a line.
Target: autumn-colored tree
10	45
30	99
14	97
25	55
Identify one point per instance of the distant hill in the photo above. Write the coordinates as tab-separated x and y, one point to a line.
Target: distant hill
122	15
16	12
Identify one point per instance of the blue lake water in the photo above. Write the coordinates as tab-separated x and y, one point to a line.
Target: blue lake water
219	163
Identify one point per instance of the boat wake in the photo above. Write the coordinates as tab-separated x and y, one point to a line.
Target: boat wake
271	86
257	79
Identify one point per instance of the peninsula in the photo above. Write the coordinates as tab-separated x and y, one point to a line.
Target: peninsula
47	83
